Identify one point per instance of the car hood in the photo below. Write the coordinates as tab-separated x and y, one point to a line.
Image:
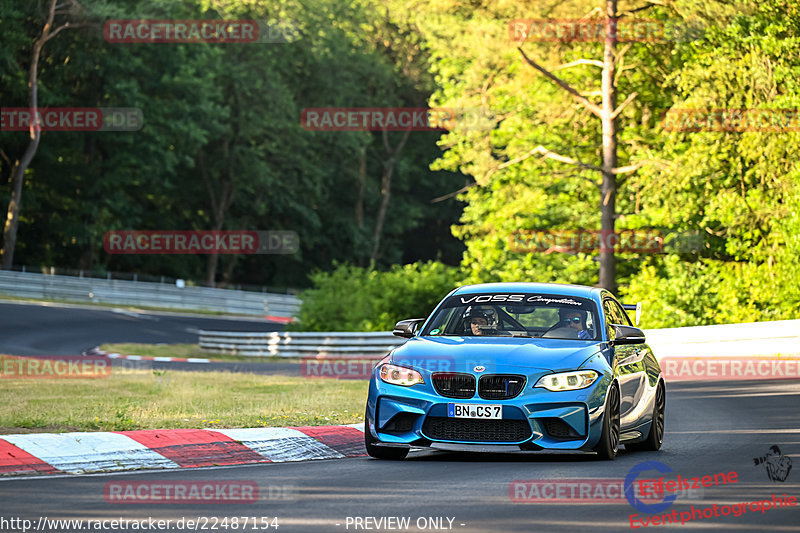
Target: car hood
496	354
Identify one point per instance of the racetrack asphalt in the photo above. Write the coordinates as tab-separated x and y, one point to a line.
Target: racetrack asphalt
55	329
711	428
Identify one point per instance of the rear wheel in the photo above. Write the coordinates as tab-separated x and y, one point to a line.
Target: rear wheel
609	438
381	452
656	436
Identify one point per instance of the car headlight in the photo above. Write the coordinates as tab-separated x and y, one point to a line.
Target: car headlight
579	379
400	375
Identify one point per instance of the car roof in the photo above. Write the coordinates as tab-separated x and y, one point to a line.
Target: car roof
583	291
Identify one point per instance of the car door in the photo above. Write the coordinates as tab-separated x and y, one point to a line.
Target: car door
629	366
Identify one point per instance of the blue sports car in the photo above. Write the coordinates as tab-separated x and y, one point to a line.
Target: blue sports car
518	367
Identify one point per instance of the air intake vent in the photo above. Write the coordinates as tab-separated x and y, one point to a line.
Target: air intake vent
454	385
475	430
500	386
401	423
559	429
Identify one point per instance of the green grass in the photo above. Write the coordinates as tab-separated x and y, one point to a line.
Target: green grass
161	399
186	350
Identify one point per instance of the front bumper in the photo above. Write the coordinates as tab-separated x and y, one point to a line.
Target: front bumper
534	420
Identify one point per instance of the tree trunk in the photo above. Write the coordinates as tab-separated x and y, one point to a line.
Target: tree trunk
21	165
361	186
386	189
607	112
12	218
227	273
362	180
386	192
212	260
608	188
219	204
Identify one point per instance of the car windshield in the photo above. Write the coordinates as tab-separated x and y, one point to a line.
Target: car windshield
516	315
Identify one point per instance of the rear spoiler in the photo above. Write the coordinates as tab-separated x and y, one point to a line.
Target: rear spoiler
634	307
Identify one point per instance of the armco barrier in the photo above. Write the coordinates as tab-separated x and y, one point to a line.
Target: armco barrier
300	344
728	340
141	293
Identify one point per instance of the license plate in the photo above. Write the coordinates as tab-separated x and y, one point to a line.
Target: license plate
474	410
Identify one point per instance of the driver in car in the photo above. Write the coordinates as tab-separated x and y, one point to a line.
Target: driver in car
479	321
576	319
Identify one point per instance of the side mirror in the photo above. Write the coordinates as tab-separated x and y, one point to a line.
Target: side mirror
407	328
627	335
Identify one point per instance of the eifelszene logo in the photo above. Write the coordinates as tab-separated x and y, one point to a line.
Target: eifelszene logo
635	502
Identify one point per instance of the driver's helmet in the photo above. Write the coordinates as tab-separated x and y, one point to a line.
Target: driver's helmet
487	313
564	312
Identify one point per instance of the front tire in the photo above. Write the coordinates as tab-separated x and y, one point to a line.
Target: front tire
381	452
609	439
656	436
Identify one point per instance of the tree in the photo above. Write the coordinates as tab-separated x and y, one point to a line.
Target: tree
739	189
50	29
607	112
238	105
537	122
389	163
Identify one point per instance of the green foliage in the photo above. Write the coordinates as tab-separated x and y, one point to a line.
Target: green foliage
222	146
480	67
222	121
357	299
740	190
677	293
737	190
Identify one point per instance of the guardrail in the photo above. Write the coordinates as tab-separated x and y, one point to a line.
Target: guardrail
300	344
148	294
729	340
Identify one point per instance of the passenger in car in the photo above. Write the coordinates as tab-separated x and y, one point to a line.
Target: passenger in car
575	319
